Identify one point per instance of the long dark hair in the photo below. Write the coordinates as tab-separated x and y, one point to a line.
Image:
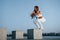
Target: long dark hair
36	8
33	15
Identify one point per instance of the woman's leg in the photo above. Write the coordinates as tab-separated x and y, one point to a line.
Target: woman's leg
40	24
36	23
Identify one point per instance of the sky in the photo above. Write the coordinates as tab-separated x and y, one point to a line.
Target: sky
15	14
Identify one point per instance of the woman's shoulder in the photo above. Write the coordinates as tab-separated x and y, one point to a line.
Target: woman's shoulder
38	11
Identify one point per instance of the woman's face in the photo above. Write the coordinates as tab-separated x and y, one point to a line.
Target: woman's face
35	8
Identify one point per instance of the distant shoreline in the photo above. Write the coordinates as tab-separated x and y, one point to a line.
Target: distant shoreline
44	34
51	34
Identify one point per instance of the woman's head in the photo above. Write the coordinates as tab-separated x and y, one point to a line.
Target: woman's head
36	8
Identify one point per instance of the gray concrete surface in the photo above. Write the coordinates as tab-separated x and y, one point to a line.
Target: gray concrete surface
3	34
34	34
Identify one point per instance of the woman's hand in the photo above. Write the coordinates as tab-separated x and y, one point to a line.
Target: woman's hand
32	14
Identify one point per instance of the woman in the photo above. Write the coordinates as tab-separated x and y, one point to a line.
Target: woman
37	17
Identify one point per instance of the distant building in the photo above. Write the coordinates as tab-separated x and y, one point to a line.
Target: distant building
17	34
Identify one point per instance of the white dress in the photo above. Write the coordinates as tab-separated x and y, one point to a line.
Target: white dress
38	22
42	19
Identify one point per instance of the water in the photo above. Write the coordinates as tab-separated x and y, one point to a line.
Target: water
44	38
51	38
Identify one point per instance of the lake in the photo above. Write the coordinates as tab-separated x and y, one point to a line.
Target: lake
44	38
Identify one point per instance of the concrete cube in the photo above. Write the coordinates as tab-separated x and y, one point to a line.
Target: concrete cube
34	34
17	34
3	34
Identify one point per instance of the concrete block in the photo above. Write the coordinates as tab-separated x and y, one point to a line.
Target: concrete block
3	34
17	34
34	34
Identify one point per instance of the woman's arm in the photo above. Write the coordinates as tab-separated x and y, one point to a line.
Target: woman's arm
39	14
32	15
